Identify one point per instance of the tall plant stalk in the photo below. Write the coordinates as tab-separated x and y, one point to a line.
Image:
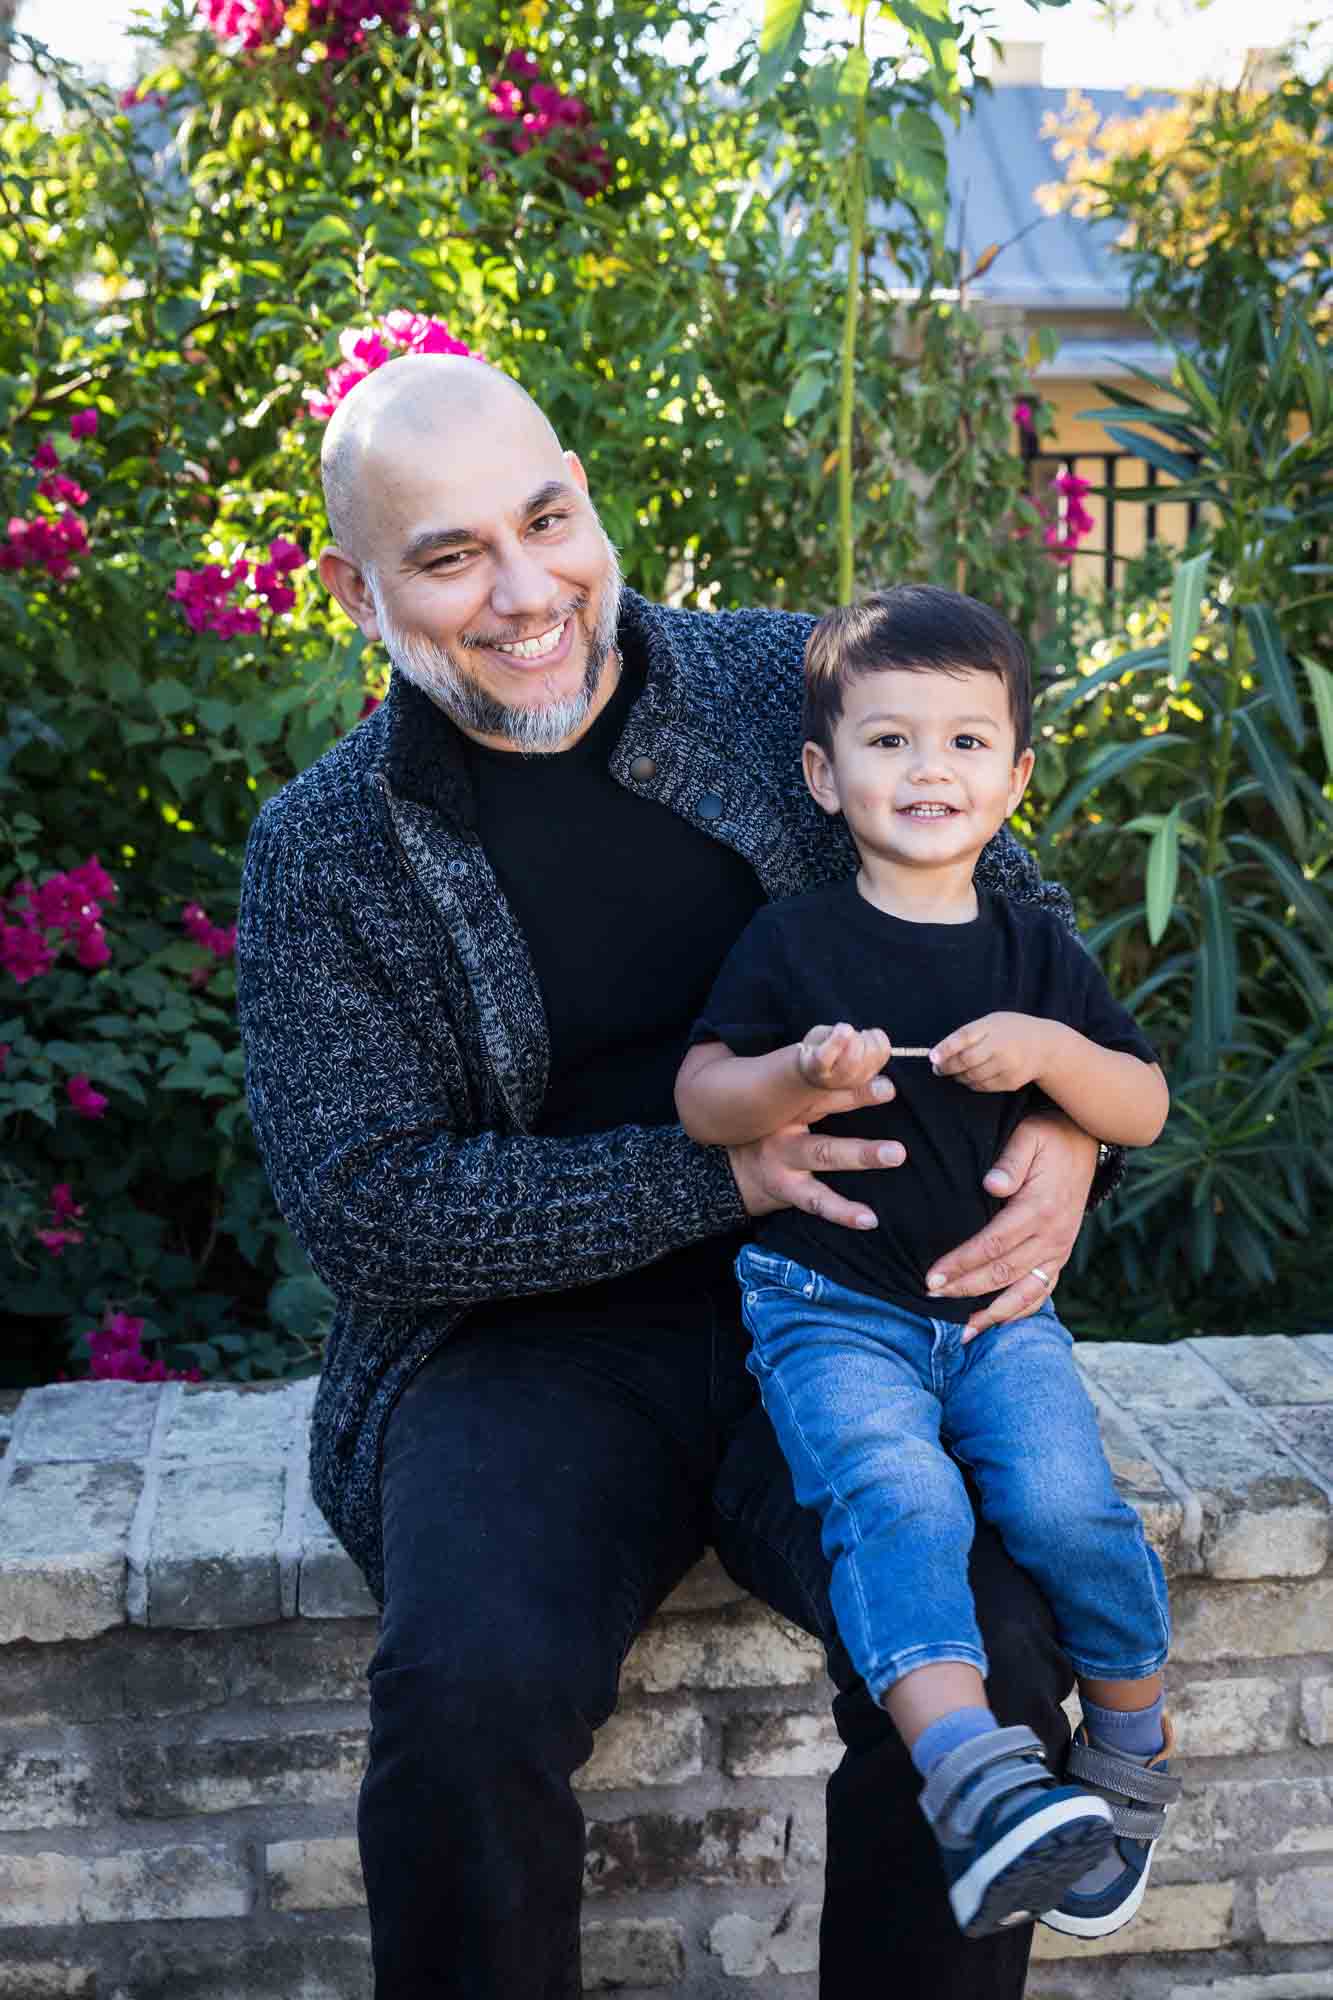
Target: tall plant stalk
856	222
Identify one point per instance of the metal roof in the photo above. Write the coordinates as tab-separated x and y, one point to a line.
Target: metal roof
997	161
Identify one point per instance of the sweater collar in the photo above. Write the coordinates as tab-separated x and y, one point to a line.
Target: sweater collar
422	756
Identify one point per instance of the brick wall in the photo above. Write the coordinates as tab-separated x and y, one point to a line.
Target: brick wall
183	1714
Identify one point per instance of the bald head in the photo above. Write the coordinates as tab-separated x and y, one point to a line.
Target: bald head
441	405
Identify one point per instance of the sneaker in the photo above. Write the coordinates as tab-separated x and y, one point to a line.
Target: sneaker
1138	1793
1012	1837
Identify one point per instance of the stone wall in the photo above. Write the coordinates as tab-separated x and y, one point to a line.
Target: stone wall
183	1714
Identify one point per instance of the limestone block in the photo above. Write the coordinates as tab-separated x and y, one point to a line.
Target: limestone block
1260	1986
1262	1514
210	1423
141	1885
40	1788
301	1661
1297	1908
1140	1482
47	1979
86	1420
780	1745
746	1648
287	1968
331	1585
652	1851
632	1952
751	1946
212	1558
1251	1621
162	1781
706	1588
1230	1718
1317	1710
1143	1375
1309	1429
1253	1817
1320	1345
1267	1368
1186	1916
644	1747
314	1875
64	1533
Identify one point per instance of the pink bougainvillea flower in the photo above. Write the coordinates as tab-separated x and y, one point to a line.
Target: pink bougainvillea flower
505	100
65	1214
369	705
83	424
1023	416
368	348
4	1057
84	1100
198	926
57	487
46	458
286	556
24	953
519	63
64	1208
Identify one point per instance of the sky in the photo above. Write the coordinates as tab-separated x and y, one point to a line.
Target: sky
1159	42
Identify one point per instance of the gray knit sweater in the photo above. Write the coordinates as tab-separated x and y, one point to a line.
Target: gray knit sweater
396	1047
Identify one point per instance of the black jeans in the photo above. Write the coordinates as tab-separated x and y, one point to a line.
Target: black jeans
548	1477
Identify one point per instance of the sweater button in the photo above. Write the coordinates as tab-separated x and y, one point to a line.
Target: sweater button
642	769
710	806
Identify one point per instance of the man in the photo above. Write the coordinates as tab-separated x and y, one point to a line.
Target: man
473	938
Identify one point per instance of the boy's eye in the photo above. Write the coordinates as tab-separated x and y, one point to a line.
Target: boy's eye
890	740
966	742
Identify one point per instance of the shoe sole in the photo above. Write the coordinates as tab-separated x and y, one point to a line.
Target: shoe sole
1029	1868
1103	1926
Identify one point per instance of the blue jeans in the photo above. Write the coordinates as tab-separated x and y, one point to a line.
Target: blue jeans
876	1408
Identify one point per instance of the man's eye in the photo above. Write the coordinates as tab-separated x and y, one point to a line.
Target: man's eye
547	520
449	561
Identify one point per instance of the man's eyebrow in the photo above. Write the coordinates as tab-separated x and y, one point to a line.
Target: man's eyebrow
430	540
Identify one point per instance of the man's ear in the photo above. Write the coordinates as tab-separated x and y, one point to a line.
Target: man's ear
819	778
576	472
343	579
1018	784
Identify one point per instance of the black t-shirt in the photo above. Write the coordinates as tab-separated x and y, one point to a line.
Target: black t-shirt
832	956
628	912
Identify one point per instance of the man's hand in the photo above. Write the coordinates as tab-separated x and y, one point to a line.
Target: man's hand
1045	1172
843	1058
780	1171
996	1052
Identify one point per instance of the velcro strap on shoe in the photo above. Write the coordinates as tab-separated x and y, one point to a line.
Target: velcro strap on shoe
1091	1766
1137	1795
971	1769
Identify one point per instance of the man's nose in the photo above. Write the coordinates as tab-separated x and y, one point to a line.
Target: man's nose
522	586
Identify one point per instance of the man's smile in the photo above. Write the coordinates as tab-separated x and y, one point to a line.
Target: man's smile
540	648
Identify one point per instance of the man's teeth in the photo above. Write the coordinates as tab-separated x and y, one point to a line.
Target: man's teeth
536	649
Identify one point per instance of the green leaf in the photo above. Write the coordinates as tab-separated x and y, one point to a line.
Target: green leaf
1271	771
329	229
1181	469
806	392
185	768
169	697
1307	897
780	39
854	76
1275	669
1321	691
1163	871
1108	765
1186	605
1216	987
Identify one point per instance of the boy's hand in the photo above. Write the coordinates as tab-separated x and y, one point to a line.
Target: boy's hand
997	1052
843	1058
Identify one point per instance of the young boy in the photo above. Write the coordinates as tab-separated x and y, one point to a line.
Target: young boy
918	717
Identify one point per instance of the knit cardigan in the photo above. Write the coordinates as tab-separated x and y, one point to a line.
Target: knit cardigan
395	1041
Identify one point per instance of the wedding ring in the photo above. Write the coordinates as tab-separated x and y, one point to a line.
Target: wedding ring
1046	1279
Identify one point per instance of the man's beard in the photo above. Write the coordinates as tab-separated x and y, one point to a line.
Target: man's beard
531	726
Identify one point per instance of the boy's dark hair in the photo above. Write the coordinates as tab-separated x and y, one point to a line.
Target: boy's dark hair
921	629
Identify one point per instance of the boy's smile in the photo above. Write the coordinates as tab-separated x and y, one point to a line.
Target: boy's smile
923	768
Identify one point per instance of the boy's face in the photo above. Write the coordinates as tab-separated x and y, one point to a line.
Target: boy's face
923	765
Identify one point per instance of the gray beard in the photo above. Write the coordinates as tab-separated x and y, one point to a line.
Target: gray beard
534	727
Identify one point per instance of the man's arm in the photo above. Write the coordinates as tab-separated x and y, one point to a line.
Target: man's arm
367	1150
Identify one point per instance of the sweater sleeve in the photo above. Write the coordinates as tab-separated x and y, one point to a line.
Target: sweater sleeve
364	1138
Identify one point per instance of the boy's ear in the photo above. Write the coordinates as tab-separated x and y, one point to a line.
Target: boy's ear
1019	782
819	777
